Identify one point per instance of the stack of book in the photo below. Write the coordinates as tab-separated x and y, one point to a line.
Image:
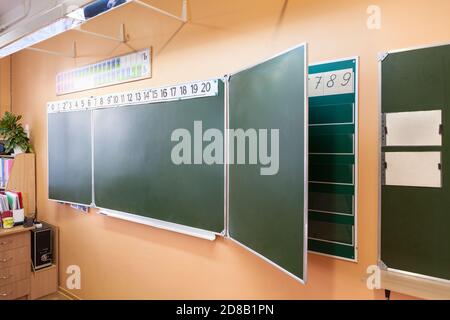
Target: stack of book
5	170
14	200
4	204
11	206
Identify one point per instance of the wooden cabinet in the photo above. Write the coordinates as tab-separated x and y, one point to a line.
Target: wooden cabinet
15	290
45	281
15	243
14	274
15	269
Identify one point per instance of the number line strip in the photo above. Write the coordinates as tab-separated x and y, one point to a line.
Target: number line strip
190	90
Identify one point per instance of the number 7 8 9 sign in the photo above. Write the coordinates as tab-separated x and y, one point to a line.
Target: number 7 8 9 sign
331	83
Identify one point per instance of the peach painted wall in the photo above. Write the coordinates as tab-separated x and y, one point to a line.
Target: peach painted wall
119	259
5	85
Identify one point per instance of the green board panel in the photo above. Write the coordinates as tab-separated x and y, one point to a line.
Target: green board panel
332	162
331	202
134	171
334	232
331	173
266	213
415	222
70	157
332	130
321	159
332	188
332	249
330	114
328	143
332	218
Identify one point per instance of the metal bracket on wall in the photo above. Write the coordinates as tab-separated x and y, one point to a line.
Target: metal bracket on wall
122	38
73	54
182	18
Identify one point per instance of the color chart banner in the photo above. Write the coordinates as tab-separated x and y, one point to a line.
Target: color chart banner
129	67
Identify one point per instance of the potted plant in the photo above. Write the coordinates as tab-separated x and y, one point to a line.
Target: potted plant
14	134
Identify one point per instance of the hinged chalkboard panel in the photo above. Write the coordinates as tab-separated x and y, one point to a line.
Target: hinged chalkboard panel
267	212
70	157
415	220
135	173
333	165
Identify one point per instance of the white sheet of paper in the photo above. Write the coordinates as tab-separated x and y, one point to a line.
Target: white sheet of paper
315	82
413	169
420	128
331	83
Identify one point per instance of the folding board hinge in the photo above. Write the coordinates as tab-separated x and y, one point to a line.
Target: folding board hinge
382	56
382	266
384	130
383	168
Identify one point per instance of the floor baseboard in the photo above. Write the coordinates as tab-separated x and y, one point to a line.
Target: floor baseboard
68	294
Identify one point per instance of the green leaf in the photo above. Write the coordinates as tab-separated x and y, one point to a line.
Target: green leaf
13	132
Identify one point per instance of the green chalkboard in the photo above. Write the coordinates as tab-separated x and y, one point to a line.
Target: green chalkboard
267	212
415	222
133	167
332	158
70	157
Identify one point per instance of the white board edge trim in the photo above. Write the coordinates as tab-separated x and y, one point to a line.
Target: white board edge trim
190	231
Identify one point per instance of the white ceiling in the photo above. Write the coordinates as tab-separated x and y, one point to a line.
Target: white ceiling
21	17
7	5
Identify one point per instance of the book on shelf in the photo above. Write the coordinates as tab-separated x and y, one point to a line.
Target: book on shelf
11	205
5	171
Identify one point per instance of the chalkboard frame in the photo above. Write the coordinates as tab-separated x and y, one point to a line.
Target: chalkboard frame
355	154
305	166
381	57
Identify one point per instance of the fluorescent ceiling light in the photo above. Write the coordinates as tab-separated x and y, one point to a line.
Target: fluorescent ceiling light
45	33
77	14
72	20
95	8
